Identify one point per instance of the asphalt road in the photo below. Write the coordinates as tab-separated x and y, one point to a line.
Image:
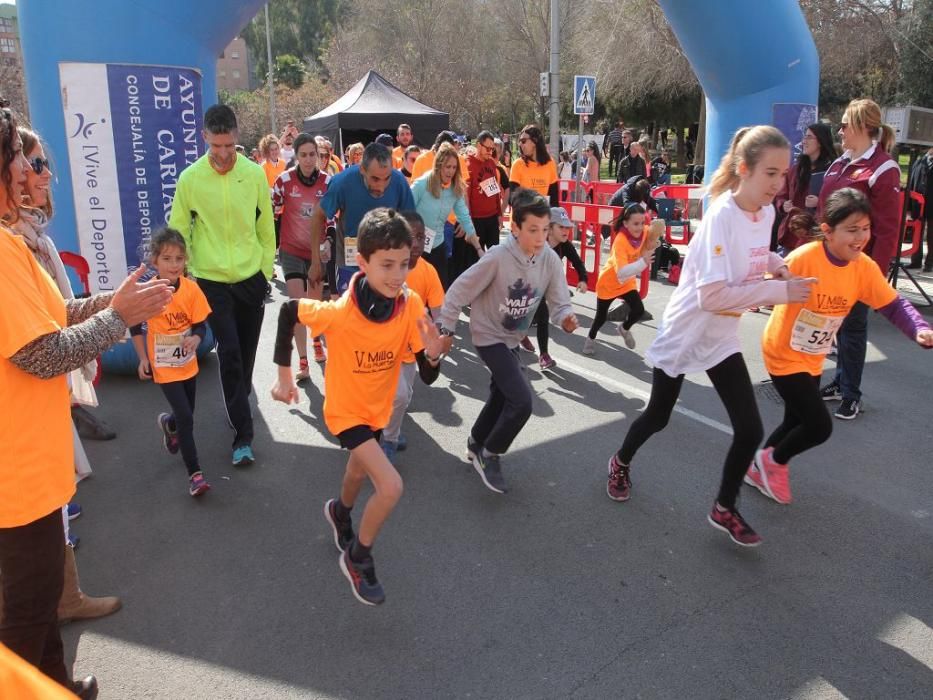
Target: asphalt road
551	591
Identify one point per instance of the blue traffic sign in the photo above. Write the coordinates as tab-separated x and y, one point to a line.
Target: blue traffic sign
584	94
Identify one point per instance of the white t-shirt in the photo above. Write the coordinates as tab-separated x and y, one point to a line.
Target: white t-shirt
287	153
729	247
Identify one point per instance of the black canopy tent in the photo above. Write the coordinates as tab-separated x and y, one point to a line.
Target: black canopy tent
374	106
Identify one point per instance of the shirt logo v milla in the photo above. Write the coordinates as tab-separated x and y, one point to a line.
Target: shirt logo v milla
370	362
832	303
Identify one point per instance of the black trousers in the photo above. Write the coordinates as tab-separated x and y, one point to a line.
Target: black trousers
236	316
542	321
464	255
508	407
438	258
181	396
487	229
806	421
32	559
615	155
636	309
734	386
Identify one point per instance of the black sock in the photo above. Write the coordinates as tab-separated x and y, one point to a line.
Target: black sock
341	511
360	553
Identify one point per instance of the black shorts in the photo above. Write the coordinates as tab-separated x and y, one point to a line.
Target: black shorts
351	438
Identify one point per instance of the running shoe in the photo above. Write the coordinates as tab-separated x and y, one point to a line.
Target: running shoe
73	540
389	448
362	577
169	436
343	529
243	456
831	392
490	471
848	409
769	477
619	486
74	510
319	355
589	347
473	448
730	522
526	344
304	373
197	484
545	361
627	337
402	443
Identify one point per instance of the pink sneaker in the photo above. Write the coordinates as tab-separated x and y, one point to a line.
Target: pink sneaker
545	361
770	477
733	524
526	344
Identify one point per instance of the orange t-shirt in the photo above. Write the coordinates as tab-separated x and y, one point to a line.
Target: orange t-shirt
169	361
624	252
21	680
364	357
426	283
533	175
398	155
37	475
799	336
273	170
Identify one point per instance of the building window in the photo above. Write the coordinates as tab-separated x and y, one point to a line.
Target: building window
7	45
223	74
235	74
234	54
6	25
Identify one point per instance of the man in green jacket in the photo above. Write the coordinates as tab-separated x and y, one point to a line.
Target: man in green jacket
223	209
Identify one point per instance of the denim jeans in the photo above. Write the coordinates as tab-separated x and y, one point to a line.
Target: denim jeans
851	344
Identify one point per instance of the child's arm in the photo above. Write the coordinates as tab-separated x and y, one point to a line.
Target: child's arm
719	296
908	320
466	288
568	249
144	370
284	389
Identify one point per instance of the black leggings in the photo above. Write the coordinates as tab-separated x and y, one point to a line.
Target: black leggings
806	421
542	318
734	386
180	397
635	311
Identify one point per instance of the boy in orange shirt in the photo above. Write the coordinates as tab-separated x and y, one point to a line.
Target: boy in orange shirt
168	355
423	280
368	330
631	253
799	335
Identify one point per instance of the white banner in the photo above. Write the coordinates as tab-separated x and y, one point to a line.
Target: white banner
89	127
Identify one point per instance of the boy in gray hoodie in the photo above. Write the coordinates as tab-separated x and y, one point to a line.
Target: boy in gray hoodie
504	290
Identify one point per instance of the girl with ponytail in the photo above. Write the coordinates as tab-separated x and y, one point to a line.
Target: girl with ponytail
723	275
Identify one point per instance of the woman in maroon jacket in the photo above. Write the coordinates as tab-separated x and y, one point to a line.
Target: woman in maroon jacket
801	188
866	165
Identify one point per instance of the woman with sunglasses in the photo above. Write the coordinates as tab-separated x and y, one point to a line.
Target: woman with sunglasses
43	337
867	166
535	170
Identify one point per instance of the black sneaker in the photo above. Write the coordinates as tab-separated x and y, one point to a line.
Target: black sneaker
473	448
489	469
362	577
848	409
831	392
343	529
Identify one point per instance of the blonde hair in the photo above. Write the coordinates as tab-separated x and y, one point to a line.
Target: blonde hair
355	148
265	143
865	115
445	151
748	145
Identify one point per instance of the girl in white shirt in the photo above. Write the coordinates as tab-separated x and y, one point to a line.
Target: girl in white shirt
723	275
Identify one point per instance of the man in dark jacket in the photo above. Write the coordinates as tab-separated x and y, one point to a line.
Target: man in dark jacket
921	182
632	163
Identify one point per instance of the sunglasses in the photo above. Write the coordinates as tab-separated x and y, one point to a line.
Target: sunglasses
38	165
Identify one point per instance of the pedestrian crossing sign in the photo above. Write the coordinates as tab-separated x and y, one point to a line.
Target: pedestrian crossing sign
584	94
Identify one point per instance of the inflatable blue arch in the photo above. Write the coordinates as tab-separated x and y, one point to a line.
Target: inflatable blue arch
117	89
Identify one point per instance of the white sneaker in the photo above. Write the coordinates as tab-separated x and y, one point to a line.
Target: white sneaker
589	347
627	337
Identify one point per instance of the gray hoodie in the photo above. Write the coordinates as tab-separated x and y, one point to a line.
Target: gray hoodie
503	291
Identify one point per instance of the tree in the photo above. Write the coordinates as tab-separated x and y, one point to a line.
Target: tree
289	71
301	28
917	55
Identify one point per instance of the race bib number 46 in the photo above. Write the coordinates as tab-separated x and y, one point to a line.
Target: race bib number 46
813	333
170	350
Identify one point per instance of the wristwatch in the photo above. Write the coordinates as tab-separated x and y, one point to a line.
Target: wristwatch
444	332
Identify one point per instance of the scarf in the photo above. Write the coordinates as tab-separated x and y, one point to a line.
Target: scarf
31	227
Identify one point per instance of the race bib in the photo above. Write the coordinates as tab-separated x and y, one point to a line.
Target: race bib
813	333
170	351
349	251
490	186
430	235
